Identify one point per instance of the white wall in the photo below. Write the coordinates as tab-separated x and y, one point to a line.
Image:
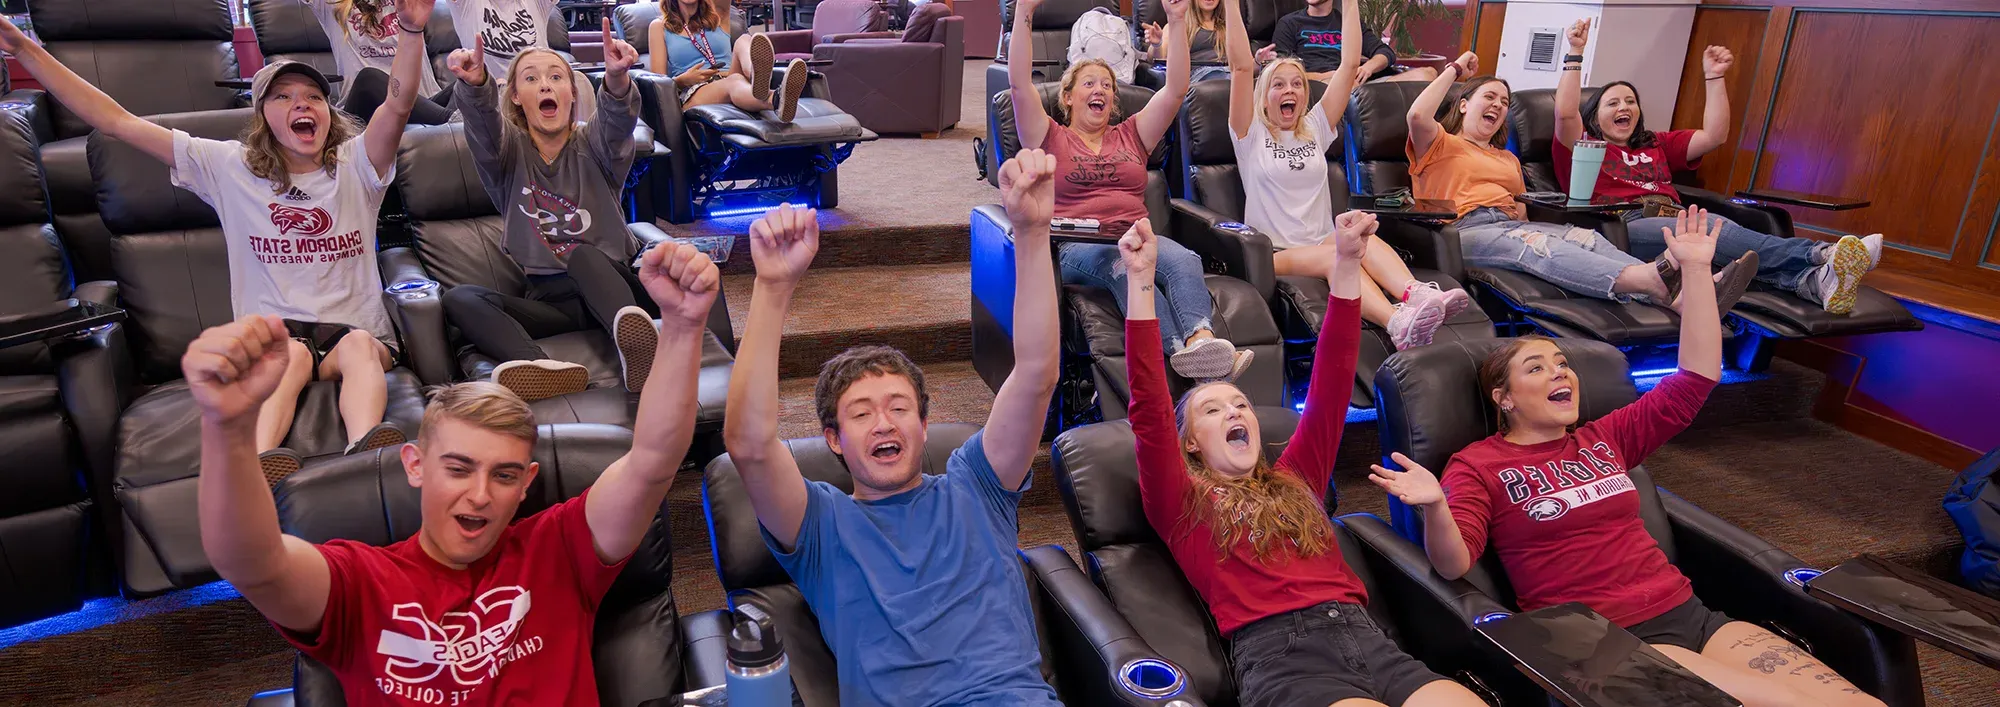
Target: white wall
1641	41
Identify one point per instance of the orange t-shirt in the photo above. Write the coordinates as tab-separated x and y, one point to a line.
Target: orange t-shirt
1468	174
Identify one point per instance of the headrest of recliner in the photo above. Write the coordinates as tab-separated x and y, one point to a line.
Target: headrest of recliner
1431	405
557	32
437	177
138	20
367	497
134	192
21	198
741	559
1055	14
633	22
1097	474
287	27
1377	119
1531	122
1260	18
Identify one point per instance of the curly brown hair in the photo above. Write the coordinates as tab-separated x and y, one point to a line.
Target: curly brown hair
709	18
1269	507
840	372
266	158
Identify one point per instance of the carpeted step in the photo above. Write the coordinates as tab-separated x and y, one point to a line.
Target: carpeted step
861	247
922	309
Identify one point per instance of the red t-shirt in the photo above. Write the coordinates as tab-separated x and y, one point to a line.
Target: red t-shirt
1629	174
513	628
1237	588
1108	185
1569	529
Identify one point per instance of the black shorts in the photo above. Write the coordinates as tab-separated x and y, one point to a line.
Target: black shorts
1689	626
321	337
1320	655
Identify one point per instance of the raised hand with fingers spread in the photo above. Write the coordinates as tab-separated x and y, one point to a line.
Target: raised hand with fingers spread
682	281
1415	486
231	369
1692	239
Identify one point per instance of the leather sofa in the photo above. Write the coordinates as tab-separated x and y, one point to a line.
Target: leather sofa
1376	133
1765	313
1050	38
894	85
53	407
642	649
1093	384
832	20
1431	618
170	260
458	233
1209	221
1431	408
1085	643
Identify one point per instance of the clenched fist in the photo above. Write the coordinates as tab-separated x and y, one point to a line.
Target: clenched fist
1028	189
782	244
1715	62
233	368
1139	250
682	280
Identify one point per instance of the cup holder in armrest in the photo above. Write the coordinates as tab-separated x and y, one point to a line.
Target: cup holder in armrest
1151	679
412	289
1914	604
1584	659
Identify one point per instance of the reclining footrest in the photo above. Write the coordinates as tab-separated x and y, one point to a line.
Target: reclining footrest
755	158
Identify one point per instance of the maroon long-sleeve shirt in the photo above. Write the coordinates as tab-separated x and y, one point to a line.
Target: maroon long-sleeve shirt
1564	515
1236	586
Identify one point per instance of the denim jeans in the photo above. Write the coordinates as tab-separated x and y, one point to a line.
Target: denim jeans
1180	294
1575	259
1781	262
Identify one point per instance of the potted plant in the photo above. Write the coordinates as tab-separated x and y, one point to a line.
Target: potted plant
1394	17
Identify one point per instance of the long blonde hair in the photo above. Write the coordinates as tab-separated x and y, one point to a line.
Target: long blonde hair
266	158
1268	507
1220	20
1303	130
1069	78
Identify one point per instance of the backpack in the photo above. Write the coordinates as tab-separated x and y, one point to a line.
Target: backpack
1102	34
1973	502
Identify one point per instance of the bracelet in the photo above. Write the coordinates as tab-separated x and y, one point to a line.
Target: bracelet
1578	58
1713	78
406	28
1572	68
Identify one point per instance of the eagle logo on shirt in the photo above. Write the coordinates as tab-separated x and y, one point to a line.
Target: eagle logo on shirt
473	645
301	221
1546	508
381	30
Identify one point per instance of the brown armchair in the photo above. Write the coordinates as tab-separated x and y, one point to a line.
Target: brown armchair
896	86
832	18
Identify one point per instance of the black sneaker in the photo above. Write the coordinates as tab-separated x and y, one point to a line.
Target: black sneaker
278	464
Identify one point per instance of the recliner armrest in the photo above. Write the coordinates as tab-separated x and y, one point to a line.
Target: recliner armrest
1748	213
1089	616
272	698
791	41
96	377
419	315
34	105
1244	253
648	234
1433	246
706	658
1454	597
847	36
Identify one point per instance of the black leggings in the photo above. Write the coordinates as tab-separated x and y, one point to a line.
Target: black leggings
369	89
505	327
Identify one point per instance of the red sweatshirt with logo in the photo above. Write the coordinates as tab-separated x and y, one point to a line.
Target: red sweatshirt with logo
1564	515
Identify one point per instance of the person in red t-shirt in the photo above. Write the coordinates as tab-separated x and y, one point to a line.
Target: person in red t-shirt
1251	535
1639	163
1556	504
471	610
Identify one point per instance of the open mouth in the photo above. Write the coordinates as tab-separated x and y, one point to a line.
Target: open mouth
1238	437
1561	396
470	524
1288	108
304	129
1097	105
887	451
1623	121
1491	117
547	106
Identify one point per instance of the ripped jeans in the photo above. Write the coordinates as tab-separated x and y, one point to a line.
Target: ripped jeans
1180	291
1575	259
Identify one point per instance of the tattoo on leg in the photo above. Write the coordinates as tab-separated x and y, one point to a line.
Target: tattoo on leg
396	88
1767	662
1752	639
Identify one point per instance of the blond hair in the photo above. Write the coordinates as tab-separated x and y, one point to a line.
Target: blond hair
486	405
511	111
1219	24
1270	508
1069	82
266	158
1303	129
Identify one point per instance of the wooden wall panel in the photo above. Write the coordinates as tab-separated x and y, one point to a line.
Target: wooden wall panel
1492	18
1742	31
1887	107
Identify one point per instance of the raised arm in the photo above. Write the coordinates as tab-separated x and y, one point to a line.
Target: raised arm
1340	84
1424	127
1444	540
610	131
627	496
782	244
1014	427
231	370
385	129
1692	241
1242	71
1163	479
1316	442
1715	63
1158	115
1031	122
477	99
84	99
1569	88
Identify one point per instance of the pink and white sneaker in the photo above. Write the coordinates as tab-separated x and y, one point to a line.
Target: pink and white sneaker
1425	308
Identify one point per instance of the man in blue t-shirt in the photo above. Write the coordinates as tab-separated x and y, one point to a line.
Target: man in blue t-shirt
914	577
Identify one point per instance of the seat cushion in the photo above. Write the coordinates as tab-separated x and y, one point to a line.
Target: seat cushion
35	441
159	436
817	121
607	402
42	562
1786	315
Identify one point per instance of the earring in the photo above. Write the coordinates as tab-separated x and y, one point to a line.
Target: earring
1506	408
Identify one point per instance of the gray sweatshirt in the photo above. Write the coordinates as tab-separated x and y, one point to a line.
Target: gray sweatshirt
553	207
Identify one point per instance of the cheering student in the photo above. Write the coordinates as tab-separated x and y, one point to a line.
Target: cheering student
363	36
392	622
1317	34
914	576
557	183
690	42
297	197
1250	534
1593	547
1639	165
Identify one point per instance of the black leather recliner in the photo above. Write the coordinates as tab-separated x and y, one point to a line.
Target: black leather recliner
1093	380
171	263
1765	313
1431	618
1214	196
642	648
1086	646
1050	33
53	408
1431	408
286	30
458	234
1376	133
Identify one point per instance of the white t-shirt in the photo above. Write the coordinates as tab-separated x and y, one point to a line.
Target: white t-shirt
509	26
357	46
1284	182
307	254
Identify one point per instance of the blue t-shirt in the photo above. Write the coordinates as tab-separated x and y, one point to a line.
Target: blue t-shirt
920	595
683	55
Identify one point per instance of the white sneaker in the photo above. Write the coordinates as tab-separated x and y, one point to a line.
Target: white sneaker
1243	359
542	378
1207	359
638	338
1874	244
1834	283
1423	310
